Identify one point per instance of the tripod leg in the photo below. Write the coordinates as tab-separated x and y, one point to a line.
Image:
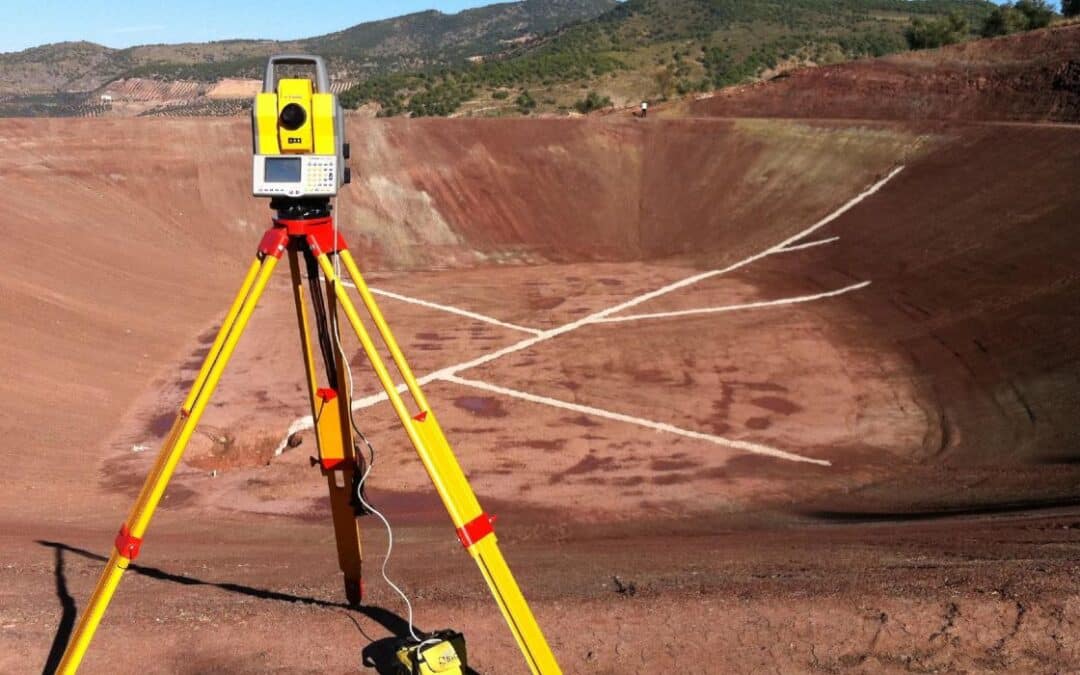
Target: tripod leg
129	540
474	526
333	435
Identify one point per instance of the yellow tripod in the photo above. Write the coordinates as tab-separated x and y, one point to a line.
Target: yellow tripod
311	235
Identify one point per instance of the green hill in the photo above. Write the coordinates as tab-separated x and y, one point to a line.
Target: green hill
649	49
415	41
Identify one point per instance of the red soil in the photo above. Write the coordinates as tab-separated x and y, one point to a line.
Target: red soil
943	535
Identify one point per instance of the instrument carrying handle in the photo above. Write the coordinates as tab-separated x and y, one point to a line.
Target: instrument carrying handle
322	76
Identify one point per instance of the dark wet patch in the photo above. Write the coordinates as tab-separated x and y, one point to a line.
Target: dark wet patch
570	384
160	423
719	428
472	430
262	396
628	481
715	473
654	375
549	446
123	475
432	336
427	347
318	510
607	281
550	302
481	406
176	496
758	423
760	386
208	335
721	408
673	465
758	467
196	358
581	421
777	405
588	464
672	478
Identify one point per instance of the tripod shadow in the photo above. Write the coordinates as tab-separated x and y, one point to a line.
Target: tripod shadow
67	618
378	654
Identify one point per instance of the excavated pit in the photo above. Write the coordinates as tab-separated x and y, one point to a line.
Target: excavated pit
859	445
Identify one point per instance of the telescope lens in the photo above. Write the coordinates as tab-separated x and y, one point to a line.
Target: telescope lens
293	116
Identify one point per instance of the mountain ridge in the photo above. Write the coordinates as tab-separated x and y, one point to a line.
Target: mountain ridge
426	38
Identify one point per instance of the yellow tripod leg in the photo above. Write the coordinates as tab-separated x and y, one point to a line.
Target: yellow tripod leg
474	526
333	436
134	528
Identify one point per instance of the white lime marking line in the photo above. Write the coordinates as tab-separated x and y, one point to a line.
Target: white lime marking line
745	446
305	423
733	308
447	308
809	244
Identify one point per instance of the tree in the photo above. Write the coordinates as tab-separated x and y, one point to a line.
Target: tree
934	33
1070	7
1003	20
1016	17
1038	13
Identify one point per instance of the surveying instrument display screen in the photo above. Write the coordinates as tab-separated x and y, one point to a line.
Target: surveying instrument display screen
282	169
298	132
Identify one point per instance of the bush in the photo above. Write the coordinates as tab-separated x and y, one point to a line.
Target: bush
1020	16
525	102
500	95
934	33
591	102
1038	13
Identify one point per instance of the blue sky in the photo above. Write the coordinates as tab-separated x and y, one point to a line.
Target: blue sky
122	23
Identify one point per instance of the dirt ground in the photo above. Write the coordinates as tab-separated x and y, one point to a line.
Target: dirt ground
762	395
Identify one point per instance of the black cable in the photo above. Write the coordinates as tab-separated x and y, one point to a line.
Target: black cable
319	310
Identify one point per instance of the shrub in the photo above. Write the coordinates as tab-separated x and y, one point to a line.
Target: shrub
1038	13
934	33
591	102
1014	18
525	102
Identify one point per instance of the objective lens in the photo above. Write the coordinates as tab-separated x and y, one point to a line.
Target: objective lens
292	116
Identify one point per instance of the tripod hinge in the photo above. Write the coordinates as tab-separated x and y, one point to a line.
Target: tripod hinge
274	242
127	545
476	529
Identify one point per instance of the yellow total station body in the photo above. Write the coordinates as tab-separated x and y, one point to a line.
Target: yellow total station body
295	120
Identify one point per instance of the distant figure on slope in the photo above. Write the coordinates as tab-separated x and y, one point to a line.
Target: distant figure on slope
644	109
